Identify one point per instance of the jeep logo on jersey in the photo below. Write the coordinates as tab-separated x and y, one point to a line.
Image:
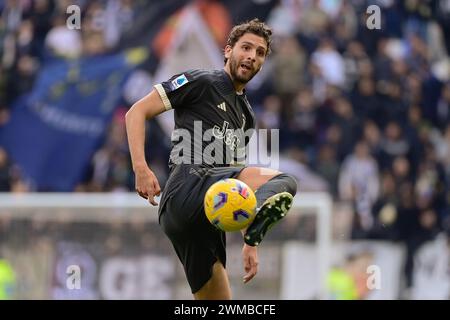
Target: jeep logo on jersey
179	81
228	135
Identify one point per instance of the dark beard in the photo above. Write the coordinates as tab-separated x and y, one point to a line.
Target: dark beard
234	66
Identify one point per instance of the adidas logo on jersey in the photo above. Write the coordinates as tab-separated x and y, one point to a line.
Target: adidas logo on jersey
222	106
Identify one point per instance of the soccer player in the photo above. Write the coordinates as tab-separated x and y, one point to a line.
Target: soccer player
213	102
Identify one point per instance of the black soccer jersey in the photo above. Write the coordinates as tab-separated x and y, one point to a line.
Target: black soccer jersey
213	123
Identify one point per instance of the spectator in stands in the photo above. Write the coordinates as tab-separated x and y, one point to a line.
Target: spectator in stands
303	119
5	172
345	119
425	228
393	144
359	183
443	107
313	24
327	166
7	280
270	117
349	282
289	63
354	57
372	135
386	212
330	63
62	41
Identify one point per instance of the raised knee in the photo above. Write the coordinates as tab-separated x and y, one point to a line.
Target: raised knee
289	182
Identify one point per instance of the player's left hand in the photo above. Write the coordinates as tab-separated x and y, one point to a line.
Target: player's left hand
250	259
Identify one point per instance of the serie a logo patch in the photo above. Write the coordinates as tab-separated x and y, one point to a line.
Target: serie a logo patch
179	82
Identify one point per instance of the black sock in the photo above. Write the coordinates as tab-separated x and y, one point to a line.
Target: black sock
280	183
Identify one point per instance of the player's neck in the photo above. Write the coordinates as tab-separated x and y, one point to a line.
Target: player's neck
238	86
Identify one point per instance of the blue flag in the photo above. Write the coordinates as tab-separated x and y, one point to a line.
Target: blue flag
54	131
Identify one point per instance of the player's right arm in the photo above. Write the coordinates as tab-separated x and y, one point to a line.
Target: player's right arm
177	92
147	185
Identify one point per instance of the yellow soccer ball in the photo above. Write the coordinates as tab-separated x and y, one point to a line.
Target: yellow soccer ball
230	205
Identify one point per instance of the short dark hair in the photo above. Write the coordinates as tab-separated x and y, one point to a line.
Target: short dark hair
254	26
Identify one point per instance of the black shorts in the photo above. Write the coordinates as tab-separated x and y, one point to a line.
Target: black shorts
197	242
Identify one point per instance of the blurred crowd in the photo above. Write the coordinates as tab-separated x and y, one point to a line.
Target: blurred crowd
369	110
32	32
366	110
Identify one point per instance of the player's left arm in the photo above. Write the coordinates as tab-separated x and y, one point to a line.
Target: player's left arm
250	259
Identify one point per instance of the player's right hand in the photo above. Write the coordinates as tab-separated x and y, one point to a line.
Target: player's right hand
147	185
